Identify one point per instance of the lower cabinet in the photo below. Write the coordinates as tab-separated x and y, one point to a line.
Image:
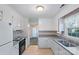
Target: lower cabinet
6	49
57	49
9	49
15	50
43	42
46	42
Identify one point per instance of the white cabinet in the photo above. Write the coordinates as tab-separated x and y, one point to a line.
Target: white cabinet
43	42
63	51
6	49
15	50
16	22
11	16
47	24
57	49
54	47
9	49
27	41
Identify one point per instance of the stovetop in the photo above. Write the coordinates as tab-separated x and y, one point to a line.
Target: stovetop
17	40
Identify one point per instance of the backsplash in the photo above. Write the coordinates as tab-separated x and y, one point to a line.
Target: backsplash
18	33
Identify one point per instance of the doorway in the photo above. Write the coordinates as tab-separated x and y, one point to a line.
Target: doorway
34	35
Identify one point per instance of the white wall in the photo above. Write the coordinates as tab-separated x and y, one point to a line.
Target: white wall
47	24
65	10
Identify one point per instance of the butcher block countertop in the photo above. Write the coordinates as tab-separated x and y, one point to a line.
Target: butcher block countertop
47	33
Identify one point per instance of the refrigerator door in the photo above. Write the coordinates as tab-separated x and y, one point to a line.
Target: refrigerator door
5	32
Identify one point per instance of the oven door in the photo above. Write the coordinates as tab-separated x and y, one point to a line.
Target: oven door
21	46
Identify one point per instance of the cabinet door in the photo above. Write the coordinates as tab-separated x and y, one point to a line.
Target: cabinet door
43	43
15	50
57	49
16	23
62	51
6	49
27	42
65	52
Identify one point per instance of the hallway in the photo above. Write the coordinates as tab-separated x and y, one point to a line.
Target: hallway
34	41
34	50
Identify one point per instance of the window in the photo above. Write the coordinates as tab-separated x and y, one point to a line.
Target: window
72	25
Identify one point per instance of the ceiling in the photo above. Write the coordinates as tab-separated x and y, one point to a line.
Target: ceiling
28	10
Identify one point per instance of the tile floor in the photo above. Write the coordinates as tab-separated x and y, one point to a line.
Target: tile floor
34	50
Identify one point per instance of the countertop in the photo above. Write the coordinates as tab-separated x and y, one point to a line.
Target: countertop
72	50
47	33
17	40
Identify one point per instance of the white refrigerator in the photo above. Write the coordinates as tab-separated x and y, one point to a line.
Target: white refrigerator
6	36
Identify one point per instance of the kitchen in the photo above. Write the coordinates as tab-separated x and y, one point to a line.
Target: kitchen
46	26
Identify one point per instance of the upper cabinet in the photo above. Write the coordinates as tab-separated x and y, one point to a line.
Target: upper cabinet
16	22
12	17
47	25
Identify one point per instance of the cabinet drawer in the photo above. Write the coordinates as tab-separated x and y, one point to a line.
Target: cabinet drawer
57	49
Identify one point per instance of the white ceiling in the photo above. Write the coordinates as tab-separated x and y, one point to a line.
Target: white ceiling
28	10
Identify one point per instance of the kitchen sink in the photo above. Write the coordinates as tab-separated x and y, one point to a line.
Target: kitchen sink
68	43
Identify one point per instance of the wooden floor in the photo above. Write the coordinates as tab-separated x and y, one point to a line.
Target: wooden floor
33	41
34	50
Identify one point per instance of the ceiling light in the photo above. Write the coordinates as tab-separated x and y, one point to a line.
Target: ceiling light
40	8
28	25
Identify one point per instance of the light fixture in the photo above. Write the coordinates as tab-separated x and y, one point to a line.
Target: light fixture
28	25
39	8
19	25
